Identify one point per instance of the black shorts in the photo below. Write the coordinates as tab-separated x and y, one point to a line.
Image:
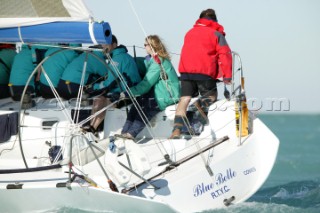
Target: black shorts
195	87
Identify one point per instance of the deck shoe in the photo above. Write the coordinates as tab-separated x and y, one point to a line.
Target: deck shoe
177	127
125	136
176	134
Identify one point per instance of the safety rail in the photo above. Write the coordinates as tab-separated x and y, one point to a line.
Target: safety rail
237	91
236	56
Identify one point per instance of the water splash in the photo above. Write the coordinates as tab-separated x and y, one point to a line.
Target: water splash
302	194
72	210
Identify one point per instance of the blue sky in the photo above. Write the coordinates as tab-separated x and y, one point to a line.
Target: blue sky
278	40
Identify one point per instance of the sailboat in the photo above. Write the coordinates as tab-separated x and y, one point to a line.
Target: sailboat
48	162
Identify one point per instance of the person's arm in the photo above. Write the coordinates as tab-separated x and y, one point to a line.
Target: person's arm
101	69
151	78
108	81
224	58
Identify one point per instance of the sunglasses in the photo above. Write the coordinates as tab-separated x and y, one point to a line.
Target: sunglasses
146	45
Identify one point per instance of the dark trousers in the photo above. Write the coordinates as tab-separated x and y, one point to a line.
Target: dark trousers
134	123
4	91
68	90
18	90
46	91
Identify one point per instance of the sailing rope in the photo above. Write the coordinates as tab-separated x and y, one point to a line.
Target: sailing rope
20	35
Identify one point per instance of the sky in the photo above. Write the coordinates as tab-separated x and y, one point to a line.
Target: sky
278	41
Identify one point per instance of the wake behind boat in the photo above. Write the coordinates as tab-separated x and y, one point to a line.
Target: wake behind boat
47	161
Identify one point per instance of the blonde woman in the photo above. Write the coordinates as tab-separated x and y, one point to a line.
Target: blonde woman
151	95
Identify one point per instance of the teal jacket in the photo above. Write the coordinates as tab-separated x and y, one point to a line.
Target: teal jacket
56	64
73	71
126	65
6	56
152	80
22	68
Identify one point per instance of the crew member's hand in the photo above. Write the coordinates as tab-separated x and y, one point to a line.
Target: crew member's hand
123	95
89	90
87	87
227	81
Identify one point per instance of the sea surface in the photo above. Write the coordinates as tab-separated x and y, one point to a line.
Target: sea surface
294	183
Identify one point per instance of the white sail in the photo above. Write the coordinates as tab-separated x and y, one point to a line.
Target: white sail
16	13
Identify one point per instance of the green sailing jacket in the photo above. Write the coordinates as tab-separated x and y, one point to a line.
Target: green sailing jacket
22	67
56	64
6	56
163	96
73	71
126	65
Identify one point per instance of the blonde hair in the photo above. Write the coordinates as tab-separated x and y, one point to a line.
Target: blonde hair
157	46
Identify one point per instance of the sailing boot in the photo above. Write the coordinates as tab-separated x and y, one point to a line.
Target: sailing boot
203	105
202	115
177	127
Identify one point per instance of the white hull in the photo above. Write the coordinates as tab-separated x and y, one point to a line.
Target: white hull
46	196
239	170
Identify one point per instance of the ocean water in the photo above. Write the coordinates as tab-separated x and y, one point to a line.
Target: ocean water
294	183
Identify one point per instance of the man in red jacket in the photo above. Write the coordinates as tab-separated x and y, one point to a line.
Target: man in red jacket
205	57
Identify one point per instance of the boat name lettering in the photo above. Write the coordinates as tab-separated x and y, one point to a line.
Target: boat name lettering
202	188
219	192
222	178
248	171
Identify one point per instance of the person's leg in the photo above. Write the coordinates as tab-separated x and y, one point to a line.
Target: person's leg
18	90
138	125
46	91
4	91
180	117
68	90
188	89
135	128
64	89
139	117
99	103
73	88
209	93
130	119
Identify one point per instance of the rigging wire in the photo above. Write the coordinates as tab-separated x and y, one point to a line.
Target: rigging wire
134	46
135	103
162	69
185	120
80	91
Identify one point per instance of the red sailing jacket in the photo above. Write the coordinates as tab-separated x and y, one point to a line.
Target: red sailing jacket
206	51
